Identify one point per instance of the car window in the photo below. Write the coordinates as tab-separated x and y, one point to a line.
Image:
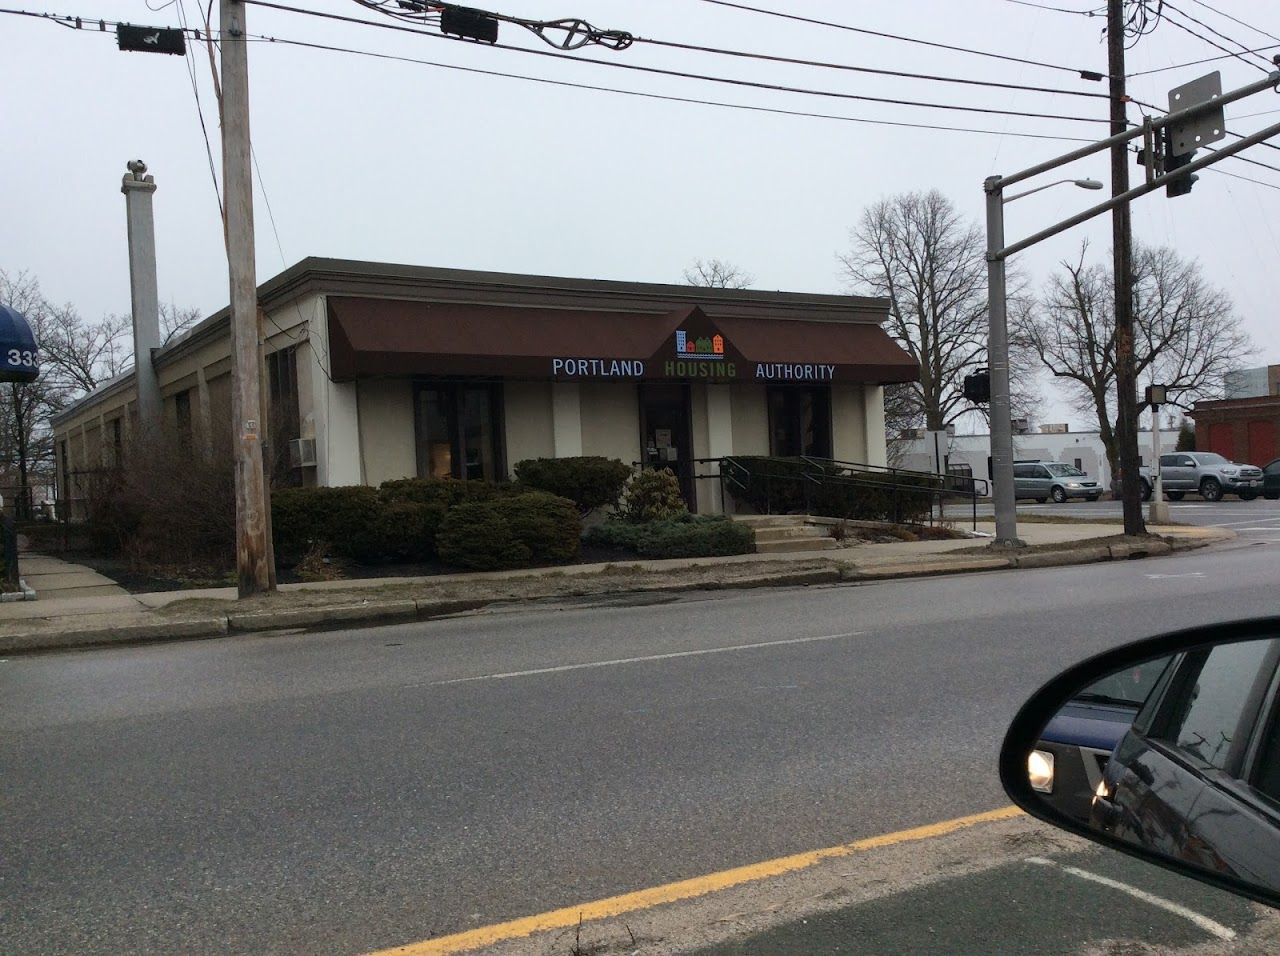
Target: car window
1273	468
1042	471
1130	686
1186	461
1209	458
1064	471
1267	775
1211	699
1170	461
1022	471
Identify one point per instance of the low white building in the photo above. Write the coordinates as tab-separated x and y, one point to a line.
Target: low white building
1084	449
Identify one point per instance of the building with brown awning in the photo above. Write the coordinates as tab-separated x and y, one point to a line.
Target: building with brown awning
378	371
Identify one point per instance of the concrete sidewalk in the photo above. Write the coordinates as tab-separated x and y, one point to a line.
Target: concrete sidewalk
94	612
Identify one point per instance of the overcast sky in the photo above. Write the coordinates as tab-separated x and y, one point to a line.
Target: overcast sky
373	159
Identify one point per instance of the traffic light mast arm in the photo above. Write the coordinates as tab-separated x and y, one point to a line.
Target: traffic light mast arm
1141	190
1181	116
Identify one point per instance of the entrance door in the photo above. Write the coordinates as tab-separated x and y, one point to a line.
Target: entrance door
666	434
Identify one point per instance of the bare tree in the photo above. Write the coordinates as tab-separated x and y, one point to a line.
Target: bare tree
915	250
85	354
175	320
1187	334
717	274
26	440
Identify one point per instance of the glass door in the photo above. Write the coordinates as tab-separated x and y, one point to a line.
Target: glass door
666	434
458	428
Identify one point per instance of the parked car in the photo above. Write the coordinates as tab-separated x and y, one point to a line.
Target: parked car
1197	777
1072	754
1271	480
1205	472
1194	783
1043	480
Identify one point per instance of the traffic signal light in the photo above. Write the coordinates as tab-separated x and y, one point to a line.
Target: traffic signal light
977	387
1179	187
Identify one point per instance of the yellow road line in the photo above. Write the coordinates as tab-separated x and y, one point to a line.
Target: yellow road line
684	889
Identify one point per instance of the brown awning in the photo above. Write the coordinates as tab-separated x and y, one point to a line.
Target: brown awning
379	337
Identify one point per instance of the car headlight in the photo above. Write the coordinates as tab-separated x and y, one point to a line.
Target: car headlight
1073	484
1230	471
1040	770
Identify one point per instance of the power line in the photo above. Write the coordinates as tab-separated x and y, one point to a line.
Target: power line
1083	74
204	130
1223	13
1205	39
305	44
1247	179
867	69
1041	6
681	74
1208	59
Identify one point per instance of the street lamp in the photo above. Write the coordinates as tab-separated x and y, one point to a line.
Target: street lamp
998	355
1082	183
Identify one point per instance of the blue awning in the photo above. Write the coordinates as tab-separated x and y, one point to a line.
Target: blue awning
19	353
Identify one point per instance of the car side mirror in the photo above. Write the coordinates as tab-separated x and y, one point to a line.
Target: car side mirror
1167	749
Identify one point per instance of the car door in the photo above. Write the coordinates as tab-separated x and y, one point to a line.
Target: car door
1043	481
1175	779
1178	472
1023	481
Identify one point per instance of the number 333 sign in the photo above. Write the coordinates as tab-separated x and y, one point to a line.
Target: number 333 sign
19	356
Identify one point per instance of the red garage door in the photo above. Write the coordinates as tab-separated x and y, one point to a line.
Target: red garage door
1221	440
1262	442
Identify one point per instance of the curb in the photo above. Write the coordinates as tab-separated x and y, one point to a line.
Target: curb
408	609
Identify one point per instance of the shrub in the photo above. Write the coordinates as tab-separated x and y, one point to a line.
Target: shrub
478	537
653	496
348	518
444	492
590	482
696	536
510	532
164	504
549	526
616	534
407	530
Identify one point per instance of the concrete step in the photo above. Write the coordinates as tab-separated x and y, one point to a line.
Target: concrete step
789	533
771	521
796	544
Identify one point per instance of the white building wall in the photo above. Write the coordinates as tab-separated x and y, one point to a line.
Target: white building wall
1068	447
527	421
611	420
387	438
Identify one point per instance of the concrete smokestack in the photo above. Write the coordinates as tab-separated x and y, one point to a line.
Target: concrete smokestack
138	188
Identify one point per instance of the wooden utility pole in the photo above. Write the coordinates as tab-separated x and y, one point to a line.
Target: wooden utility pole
253	545
1122	251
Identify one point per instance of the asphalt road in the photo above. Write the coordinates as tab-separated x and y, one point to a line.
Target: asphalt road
1257	519
347	791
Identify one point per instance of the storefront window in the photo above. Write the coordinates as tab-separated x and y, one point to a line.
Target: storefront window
458	431
800	422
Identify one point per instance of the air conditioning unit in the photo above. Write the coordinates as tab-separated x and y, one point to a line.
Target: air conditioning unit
302	453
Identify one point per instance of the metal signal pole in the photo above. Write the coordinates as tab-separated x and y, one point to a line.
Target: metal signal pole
254	564
1122	252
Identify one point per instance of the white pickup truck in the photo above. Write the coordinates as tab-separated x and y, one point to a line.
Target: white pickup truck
1205	473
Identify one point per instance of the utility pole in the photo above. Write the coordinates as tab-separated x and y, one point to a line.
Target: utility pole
254	564
1122	251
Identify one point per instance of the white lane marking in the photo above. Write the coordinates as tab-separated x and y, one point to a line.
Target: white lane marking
1188	574
1232	524
640	660
1212	927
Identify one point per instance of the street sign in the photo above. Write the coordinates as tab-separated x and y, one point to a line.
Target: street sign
151	39
1207	127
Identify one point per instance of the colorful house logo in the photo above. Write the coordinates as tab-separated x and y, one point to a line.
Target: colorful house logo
702	347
